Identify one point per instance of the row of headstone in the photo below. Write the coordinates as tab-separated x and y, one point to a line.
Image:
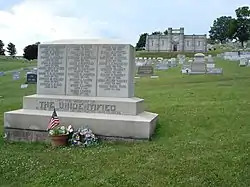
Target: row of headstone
236	56
146	66
31	76
159	63
201	64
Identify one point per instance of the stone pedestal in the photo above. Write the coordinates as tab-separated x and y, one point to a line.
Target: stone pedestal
90	83
243	62
198	66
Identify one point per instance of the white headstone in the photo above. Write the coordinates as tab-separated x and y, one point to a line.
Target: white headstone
210	59
243	62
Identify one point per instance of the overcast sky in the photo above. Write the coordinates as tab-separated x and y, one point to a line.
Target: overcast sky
24	22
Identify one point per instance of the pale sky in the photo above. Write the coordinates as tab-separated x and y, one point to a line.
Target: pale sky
24	22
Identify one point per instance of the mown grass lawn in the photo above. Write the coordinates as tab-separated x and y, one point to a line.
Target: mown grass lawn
13	64
203	138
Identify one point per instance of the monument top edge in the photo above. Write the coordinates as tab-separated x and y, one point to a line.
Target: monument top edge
86	41
199	55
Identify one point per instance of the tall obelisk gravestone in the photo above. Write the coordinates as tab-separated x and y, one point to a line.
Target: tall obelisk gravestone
89	83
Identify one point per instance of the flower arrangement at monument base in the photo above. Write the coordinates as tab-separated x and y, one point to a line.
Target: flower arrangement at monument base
59	136
83	137
62	136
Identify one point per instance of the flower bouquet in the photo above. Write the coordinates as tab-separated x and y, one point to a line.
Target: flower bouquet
83	137
59	136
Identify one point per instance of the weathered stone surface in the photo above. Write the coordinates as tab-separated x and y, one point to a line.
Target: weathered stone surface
116	67
105	105
51	73
140	126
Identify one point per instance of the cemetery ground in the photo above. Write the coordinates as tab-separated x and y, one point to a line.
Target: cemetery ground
7	64
202	139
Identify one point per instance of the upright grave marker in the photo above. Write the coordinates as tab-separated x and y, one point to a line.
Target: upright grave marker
198	66
16	75
145	71
90	83
31	78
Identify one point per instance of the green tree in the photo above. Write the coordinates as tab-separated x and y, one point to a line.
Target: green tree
210	41
240	27
220	29
142	41
31	52
11	49
165	32
2	50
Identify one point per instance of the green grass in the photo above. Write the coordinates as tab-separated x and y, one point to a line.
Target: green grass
12	64
203	138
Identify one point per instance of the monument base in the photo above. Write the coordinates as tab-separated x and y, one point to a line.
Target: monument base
215	71
31	125
196	73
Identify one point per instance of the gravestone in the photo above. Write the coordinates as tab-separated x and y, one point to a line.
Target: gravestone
145	71
24	86
173	62
16	75
214	71
210	63
243	62
31	78
198	66
34	70
181	58
89	83
161	66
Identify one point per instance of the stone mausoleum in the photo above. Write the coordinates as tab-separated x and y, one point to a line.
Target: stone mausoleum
175	40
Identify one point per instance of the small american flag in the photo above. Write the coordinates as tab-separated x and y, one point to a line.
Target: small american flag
54	121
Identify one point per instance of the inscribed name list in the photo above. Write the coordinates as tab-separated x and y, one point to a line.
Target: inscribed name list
51	69
81	70
113	68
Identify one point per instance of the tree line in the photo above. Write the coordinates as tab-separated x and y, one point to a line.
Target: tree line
227	28
30	52
223	29
11	49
